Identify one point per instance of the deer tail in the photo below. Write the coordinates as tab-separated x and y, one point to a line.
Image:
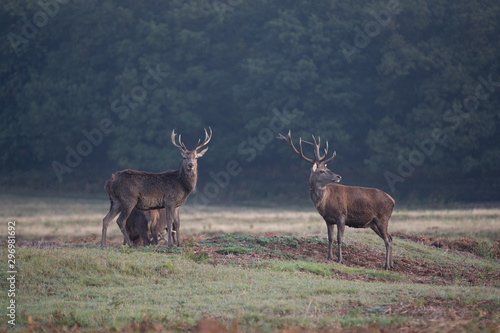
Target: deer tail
109	183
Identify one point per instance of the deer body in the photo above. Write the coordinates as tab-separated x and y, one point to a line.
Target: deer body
356	207
129	189
139	225
152	190
148	225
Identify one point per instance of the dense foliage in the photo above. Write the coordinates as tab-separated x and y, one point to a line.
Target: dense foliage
406	92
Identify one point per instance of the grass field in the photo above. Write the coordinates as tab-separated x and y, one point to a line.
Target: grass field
249	269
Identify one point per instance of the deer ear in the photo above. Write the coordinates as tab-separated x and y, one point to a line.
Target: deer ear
183	152
200	153
315	167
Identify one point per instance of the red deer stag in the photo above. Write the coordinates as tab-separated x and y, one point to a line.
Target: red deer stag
356	207
129	189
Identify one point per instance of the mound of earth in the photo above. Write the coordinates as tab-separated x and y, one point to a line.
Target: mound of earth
354	255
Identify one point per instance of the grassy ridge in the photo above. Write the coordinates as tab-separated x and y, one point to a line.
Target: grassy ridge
110	287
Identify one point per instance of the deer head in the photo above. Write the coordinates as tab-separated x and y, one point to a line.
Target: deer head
190	162
320	174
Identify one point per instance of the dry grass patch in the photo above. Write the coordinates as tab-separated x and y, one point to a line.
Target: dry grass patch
56	217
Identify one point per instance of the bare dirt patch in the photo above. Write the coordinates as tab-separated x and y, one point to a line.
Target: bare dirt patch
354	255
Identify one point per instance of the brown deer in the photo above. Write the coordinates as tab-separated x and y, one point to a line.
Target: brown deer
138	225
356	207
129	189
147	225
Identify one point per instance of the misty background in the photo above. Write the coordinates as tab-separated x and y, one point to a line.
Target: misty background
406	92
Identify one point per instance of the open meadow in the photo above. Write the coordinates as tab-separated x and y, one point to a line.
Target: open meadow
245	269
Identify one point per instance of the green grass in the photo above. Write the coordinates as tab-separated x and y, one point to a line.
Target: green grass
82	283
97	287
233	249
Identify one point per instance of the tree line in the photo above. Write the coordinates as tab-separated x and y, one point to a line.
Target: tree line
406	92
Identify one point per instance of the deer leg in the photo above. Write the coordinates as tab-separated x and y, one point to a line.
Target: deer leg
120	221
154	226
177	224
330	227
142	230
382	232
170	218
113	211
391	265
154	233
388	252
340	235
162	223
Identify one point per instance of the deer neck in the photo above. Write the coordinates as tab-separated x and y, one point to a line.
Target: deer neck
188	179
317	193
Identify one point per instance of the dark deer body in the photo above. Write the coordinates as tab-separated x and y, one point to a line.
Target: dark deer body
356	207
129	189
139	224
147	225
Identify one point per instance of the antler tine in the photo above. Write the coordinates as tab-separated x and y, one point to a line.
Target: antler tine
322	158
207	139
326	150
210	138
288	140
180	145
280	136
316	146
300	146
330	159
317	143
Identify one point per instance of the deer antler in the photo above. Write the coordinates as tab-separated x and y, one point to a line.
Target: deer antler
331	158
319	158
181	145
206	141
316	145
288	139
